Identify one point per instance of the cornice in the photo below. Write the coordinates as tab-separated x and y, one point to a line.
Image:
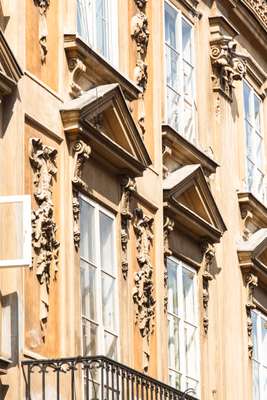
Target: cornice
249	204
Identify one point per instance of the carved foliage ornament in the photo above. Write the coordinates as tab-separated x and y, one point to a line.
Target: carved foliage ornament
143	296
128	187
43	31
228	66
167	229
251	282
45	245
76	220
208	256
77	68
259	7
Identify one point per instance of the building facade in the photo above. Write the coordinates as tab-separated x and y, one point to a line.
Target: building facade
133	256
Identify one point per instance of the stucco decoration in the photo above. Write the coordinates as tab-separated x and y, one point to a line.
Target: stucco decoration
76	220
208	251
77	68
228	66
81	153
140	34
44	242
251	282
128	186
259	9
167	229
43	31
143	295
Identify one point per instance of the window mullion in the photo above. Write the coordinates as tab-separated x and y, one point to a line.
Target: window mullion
100	336
182	326
181	75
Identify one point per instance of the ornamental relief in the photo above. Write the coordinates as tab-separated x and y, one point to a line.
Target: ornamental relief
251	281
77	68
228	66
43	6
208	251
259	8
167	229
143	292
44	242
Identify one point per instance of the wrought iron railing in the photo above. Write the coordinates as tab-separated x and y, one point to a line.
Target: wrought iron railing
92	378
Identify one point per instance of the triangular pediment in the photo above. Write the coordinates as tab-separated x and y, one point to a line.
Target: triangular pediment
104	114
189	198
10	71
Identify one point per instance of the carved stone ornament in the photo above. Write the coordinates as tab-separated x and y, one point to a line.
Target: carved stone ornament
43	31
45	245
76	220
228	66
143	296
251	282
81	153
259	8
167	229
77	68
128	187
208	251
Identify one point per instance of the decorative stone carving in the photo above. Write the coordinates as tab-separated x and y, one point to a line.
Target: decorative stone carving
81	153
167	229
208	251
43	31
228	66
259	8
247	219
251	282
143	296
76	220
45	245
128	187
140	3
77	68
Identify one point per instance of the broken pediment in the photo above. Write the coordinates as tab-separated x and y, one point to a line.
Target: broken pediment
102	118
189	201
10	71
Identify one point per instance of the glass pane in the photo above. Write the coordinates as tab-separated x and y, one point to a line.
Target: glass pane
192	384
247	107
11	243
256	381
173	100
257	113
172	59
83	19
264	341
173	343
258	188
89	338
249	140
188	82
108	302
171	34
189	295
87	222
88	290
172	287
254	335
259	151
111	345
175	380
191	351
187	41
264	383
188	122
250	174
106	243
101	27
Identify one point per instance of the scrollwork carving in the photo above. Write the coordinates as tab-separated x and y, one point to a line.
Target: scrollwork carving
259	8
43	31
143	296
208	252
228	66
128	187
76	220
167	229
77	68
44	242
251	282
81	153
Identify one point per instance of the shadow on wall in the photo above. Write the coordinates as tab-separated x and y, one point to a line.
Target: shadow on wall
7	110
9	350
3	390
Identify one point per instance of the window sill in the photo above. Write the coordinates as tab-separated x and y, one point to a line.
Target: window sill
94	68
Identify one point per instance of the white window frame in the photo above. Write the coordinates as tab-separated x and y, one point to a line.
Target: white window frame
112	33
260	316
99	323
27	231
181	74
257	195
180	265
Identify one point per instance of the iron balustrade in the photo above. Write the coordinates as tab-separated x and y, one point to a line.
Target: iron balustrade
92	378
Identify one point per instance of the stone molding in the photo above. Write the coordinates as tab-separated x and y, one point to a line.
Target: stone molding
208	252
44	242
128	186
43	6
82	153
77	68
168	227
143	296
251	281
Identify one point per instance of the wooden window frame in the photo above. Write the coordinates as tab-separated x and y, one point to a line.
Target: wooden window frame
259	316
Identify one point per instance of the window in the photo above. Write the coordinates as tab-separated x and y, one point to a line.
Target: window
97	25
179	73
254	143
98	280
259	323
15	244
183	344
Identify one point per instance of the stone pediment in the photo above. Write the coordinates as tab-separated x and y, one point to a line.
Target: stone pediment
10	71
189	201
103	119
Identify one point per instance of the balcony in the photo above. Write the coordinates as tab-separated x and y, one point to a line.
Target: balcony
92	378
